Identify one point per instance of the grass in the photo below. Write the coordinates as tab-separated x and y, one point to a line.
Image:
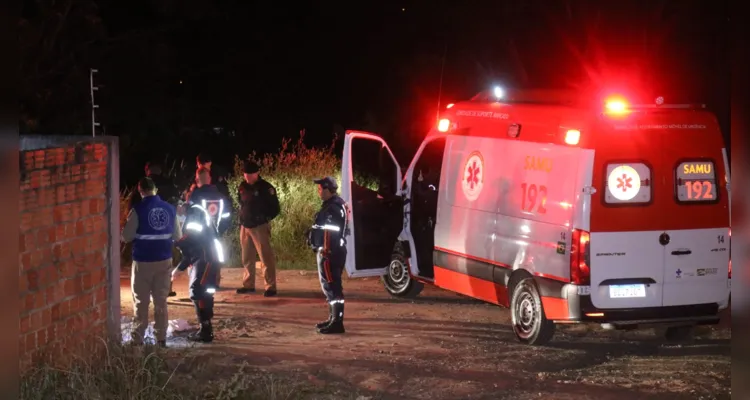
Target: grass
291	171
130	373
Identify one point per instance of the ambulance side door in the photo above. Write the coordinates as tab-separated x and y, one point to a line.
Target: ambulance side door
375	209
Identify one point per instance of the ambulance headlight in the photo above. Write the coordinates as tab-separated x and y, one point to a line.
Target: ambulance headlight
498	92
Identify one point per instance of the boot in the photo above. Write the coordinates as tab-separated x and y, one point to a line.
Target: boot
328	321
337	323
205	334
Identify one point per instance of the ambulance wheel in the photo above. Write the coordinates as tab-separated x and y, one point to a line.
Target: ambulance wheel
530	324
679	333
397	279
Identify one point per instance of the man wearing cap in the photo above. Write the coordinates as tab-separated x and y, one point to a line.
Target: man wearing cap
259	204
327	239
152	227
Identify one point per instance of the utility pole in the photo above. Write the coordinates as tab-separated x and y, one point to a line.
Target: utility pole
94	106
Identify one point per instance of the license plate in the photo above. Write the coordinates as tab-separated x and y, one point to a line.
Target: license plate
626	291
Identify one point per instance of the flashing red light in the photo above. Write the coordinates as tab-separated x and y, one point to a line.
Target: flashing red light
443	125
572	137
616	106
449	105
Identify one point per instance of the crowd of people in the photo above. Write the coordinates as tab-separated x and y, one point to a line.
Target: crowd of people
161	218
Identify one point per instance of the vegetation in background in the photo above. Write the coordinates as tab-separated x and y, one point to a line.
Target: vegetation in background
291	171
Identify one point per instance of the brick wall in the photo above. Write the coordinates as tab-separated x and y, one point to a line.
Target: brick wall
65	246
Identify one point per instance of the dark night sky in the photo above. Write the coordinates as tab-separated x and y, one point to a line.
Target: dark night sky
268	69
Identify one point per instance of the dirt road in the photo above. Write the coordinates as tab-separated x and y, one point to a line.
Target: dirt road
444	346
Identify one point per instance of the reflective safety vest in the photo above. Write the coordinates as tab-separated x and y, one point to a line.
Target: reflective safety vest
156	222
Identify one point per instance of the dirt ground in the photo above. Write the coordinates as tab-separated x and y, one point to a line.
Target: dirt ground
445	346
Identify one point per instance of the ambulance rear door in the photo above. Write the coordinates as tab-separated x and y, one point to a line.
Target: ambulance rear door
627	215
375	208
697	214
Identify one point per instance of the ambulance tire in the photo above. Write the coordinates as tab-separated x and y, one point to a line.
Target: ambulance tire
397	279
529	322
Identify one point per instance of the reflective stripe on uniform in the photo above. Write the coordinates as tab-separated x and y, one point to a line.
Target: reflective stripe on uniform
154	237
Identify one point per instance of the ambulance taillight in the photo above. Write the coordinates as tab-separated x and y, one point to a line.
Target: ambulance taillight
580	258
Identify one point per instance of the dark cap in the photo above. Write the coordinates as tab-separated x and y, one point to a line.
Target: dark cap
250	167
203	158
327	183
146	185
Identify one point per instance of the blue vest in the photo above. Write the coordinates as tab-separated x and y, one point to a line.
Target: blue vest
156	221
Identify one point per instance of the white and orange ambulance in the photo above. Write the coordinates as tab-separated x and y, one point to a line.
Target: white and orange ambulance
563	210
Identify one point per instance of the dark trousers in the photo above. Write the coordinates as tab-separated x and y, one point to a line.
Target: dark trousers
202	288
330	270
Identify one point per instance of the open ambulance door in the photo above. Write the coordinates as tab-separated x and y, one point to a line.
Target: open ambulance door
375	213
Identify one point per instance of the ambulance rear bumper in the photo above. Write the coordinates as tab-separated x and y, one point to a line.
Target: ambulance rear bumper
581	309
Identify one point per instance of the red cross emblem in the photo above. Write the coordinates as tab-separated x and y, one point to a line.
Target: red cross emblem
472	180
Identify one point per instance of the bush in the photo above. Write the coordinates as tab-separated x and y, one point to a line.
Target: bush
291	171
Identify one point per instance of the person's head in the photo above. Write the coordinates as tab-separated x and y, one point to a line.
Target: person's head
327	187
146	187
153	168
251	172
203	176
203	160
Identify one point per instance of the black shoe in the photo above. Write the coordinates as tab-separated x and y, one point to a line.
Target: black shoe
172	294
337	324
269	293
328	321
245	291
162	344
205	334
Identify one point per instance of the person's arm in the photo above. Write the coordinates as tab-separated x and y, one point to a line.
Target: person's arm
274	208
130	228
177	233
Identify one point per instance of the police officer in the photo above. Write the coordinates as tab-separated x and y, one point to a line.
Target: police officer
152	227
259	204
326	237
201	249
218	206
164	185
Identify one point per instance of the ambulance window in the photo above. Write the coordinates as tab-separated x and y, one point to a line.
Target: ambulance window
428	166
695	182
628	183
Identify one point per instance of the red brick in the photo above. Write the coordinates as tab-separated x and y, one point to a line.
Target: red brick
28	160
23	283
25	261
36	321
43	217
32	277
46	197
69	286
27	221
100	295
63	213
61	250
30	339
25	325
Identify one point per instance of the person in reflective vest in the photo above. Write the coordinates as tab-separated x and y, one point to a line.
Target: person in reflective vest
218	206
152	227
201	249
327	238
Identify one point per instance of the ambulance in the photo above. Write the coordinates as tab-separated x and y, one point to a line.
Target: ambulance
562	208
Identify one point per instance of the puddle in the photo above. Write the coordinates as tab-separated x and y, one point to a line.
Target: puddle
175	326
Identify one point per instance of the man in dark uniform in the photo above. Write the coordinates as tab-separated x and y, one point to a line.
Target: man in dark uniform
327	239
164	186
259	204
201	249
218	206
